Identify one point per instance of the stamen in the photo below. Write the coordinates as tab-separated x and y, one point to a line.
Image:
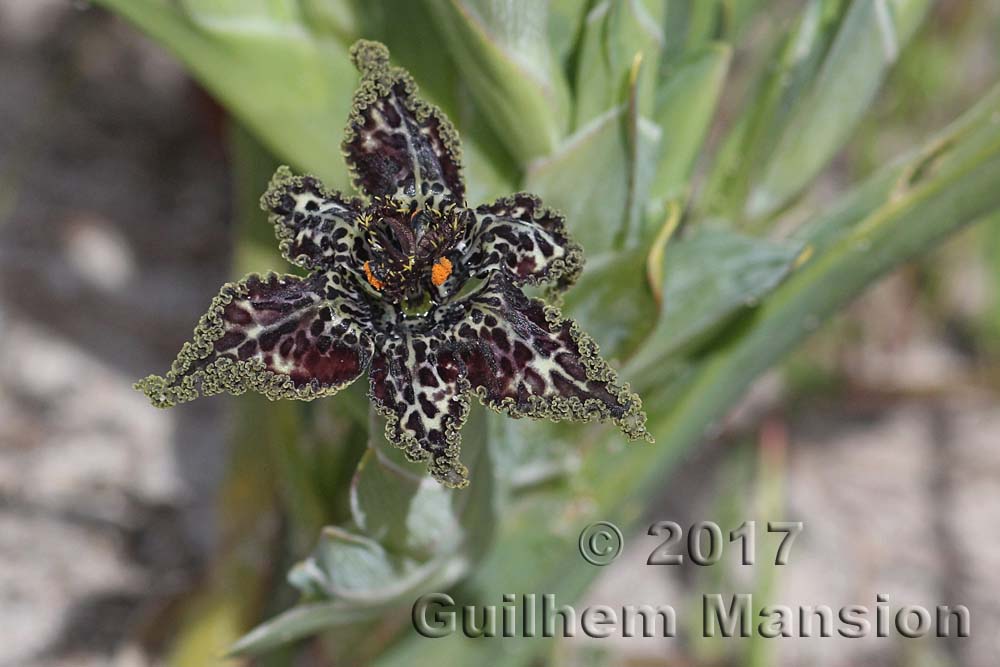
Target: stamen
375	282
440	271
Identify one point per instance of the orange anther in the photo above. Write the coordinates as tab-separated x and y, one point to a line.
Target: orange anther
440	271
375	282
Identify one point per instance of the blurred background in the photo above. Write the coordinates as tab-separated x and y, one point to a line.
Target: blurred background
117	225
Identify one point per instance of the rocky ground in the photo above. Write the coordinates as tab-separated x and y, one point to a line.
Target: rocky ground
114	236
898	499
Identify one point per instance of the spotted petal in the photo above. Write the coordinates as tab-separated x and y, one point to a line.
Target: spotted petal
418	384
282	336
396	144
523	358
316	227
518	235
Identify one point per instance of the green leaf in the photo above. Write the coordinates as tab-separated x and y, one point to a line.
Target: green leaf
737	15
504	57
617	324
337	19
950	146
347	565
691	25
394	501
358	573
867	45
349	578
302	621
685	107
282	68
688	25
786	76
615	33
244	16
597	178
533	452
406	511
291	86
478	507
565	20
709	276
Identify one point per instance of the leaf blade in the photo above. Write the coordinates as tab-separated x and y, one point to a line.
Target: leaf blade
504	58
284	83
867	45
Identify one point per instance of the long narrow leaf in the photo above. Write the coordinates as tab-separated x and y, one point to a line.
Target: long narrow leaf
290	86
504	57
786	78
615	33
685	107
867	45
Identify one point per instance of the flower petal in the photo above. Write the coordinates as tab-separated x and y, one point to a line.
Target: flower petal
418	384
282	336
397	144
316	227
525	359
528	241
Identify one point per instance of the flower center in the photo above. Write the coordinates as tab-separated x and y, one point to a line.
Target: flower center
412	250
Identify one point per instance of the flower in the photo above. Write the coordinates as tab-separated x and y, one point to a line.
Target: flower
410	285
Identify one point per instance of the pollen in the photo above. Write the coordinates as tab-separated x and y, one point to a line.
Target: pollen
375	282
440	271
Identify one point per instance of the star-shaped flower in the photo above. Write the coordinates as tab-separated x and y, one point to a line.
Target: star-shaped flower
410	285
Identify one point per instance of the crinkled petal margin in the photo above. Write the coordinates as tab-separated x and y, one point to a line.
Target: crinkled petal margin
316	227
396	144
519	235
525	359
418	384
280	336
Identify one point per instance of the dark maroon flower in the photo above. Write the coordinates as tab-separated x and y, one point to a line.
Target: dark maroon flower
410	285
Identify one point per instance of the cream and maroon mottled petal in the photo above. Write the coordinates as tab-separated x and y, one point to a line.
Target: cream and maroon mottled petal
317	228
396	144
518	235
419	384
525	359
281	336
